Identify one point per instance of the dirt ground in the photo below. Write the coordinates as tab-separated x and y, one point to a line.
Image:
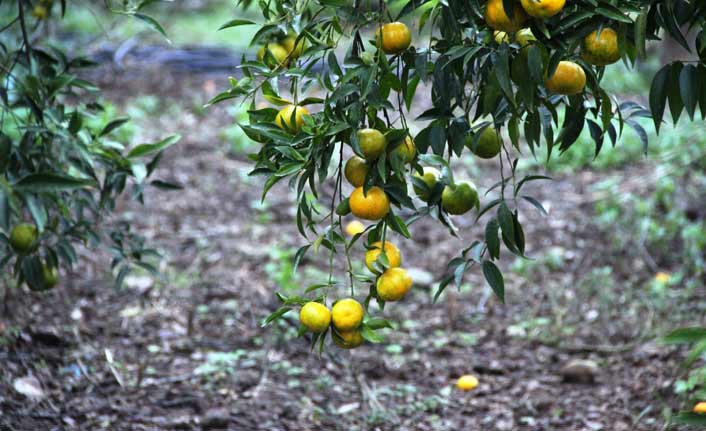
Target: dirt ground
188	352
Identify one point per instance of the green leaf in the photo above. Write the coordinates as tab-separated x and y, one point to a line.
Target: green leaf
685	335
495	279
114	124
50	182
689	88
658	96
236	23
492	239
149	149
152	23
370	335
688	418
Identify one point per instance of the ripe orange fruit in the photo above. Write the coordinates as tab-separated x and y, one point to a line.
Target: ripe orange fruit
467	382
394	257
543	8
393	284
489	143
406	150
700	408
315	316
430	178
356	170
497	19
347	314
284	117
393	37
601	49
279	52
288	43
348	339
568	79
460	198
372	143
355	227
373	206
23	238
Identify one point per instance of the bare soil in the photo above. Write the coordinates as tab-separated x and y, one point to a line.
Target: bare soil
189	352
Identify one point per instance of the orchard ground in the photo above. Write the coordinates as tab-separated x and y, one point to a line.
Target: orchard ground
188	351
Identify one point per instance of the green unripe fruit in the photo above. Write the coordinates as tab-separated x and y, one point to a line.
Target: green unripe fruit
23	238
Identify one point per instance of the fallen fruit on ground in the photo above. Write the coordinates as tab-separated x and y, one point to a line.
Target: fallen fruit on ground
371	206
393	37
460	198
394	257
347	314
393	284
290	122
568	79
356	170
467	382
601	48
700	408
315	316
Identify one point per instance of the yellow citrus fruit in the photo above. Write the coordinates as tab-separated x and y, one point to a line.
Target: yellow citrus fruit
347	314
460	198
467	382
662	277
601	49
279	52
355	227
497	19
284	117
406	150
430	178
525	37
501	37
315	316
40	12
371	206
543	8
23	238
393	284
348	339
393	38
356	170
293	51
700	408
489	143
568	79
394	257
372	143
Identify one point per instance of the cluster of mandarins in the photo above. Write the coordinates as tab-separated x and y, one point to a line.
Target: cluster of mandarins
371	202
280	51
599	48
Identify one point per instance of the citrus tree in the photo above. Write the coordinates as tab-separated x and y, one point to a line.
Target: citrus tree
342	79
62	166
